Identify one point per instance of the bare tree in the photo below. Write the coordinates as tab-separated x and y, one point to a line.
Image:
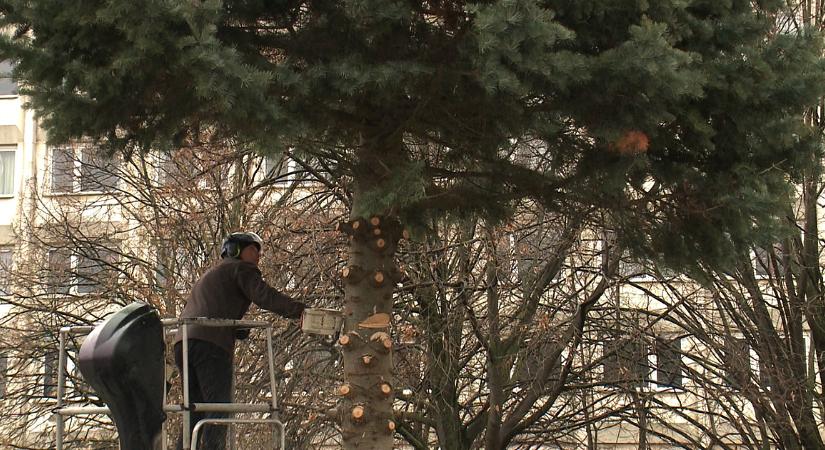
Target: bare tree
101	233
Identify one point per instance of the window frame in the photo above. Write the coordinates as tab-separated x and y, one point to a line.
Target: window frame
664	341
66	279
81	165
49	376
286	169
614	353
13	150
6	285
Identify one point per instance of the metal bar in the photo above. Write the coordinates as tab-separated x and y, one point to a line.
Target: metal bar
163	399
202	321
78	329
230	407
187	415
201	407
61	380
201	423
77	410
205	322
272	386
271	358
80	410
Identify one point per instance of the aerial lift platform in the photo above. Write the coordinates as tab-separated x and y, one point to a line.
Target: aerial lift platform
123	360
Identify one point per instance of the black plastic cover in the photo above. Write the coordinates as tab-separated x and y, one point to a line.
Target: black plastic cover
123	360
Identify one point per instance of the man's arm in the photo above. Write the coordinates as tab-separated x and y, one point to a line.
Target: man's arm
252	284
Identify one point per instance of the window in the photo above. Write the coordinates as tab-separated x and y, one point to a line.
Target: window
7	84
166	167
7	157
4	367
633	268
173	269
669	364
62	169
277	168
82	170
59	277
91	269
626	361
767	262
98	173
85	272
6	261
737	362
50	374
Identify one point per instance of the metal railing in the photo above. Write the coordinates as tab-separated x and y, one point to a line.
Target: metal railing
62	411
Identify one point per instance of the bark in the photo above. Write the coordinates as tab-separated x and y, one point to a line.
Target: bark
367	420
366	397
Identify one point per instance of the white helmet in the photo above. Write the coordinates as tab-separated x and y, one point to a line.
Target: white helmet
234	244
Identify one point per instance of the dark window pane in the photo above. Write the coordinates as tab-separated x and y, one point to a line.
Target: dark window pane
669	362
50	375
59	276
62	169
167	168
98	173
625	360
6	261
276	168
92	268
737	362
7	84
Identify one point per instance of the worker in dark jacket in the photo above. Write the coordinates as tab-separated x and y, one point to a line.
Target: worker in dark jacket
224	292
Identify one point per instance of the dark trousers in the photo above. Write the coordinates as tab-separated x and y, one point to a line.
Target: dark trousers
210	381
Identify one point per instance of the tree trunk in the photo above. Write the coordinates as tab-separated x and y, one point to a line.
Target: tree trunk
367	393
365	409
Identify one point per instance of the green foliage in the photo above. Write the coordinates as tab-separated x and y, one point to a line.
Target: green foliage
404	188
718	94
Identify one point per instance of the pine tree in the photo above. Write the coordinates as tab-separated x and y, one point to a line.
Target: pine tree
680	120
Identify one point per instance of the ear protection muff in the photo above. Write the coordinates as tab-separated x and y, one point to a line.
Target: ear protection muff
236	242
231	249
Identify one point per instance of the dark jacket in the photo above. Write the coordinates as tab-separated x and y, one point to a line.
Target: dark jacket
225	292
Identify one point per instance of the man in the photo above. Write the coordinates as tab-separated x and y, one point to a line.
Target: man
224	292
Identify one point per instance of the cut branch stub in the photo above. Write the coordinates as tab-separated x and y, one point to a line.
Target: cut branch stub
376	232
351	228
349	338
391	426
358	413
375	221
344	390
386	389
376	321
367	359
382	338
405	234
381	244
378	278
